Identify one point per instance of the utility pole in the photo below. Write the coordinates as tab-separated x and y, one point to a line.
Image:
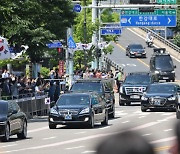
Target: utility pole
94	36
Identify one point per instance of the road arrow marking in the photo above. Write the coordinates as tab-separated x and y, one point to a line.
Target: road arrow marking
169	20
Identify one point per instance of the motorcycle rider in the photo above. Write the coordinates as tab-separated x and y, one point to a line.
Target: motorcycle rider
149	39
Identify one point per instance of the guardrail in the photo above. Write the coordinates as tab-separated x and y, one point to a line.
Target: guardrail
162	39
31	104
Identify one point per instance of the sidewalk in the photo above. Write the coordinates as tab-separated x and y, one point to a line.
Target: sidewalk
158	43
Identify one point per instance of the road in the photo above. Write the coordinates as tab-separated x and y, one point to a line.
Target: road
157	127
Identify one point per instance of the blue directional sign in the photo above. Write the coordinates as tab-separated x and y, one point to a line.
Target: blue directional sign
148	20
54	45
77	8
110	31
71	43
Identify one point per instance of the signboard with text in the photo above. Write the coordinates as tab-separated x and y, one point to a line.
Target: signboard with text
158	18
166	1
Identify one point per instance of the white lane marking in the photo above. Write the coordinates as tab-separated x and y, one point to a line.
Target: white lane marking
154	45
75	148
80	133
162	120
89	152
164	140
123	65
167	113
131	64
146	134
86	138
121	114
142	117
144	114
167	130
38	129
105	127
48	138
137	112
124	122
11	145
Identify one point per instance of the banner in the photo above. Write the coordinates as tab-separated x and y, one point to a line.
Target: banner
4	49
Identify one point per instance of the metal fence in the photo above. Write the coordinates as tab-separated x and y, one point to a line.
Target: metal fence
31	104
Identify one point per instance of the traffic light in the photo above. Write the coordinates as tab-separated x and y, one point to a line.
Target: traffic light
139	2
98	53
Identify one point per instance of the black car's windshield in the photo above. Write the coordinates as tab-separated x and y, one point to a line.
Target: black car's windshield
73	100
164	63
160	88
137	79
87	86
3	108
136	46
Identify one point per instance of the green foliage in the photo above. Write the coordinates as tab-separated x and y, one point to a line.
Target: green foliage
44	72
35	23
177	40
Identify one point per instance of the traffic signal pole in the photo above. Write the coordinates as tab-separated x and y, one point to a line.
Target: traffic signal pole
94	36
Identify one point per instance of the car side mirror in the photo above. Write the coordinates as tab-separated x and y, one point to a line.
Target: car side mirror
52	104
174	66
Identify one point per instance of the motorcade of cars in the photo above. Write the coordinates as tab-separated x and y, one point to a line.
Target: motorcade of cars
161	65
12	121
103	87
160	96
133	87
78	108
135	50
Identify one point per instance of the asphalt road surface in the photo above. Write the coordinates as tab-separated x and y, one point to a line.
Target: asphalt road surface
157	127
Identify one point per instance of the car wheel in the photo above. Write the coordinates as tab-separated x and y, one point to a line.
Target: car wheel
91	122
23	134
112	115
105	122
121	103
52	126
143	109
128	103
126	54
177	114
6	136
173	80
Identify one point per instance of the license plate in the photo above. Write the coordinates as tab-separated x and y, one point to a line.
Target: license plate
68	117
165	78
135	96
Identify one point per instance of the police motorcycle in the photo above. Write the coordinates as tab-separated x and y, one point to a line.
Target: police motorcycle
149	40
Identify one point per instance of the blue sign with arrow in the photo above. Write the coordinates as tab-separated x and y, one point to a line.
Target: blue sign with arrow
111	31
54	45
71	43
148	20
77	8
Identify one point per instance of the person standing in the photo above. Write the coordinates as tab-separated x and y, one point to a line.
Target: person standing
119	79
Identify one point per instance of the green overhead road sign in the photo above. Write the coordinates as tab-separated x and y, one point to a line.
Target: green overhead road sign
166	1
156	12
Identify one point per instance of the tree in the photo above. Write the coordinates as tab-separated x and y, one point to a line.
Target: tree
35	23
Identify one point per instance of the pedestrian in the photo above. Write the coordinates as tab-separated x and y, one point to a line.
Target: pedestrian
128	142
119	79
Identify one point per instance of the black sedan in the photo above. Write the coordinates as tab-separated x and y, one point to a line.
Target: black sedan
135	50
84	108
160	96
12	121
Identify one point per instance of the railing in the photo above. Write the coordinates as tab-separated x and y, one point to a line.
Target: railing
32	104
162	39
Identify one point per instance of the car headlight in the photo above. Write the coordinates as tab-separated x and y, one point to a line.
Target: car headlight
53	111
144	52
86	110
143	98
173	98
173	72
156	72
131	52
121	89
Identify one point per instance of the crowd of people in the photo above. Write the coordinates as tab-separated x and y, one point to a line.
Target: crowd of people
15	86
